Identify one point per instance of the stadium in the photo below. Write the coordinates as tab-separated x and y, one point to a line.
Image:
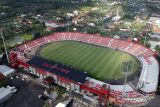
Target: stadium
91	65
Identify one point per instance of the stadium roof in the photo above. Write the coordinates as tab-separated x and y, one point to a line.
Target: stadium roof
58	69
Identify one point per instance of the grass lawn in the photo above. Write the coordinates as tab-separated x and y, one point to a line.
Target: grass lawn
100	62
26	36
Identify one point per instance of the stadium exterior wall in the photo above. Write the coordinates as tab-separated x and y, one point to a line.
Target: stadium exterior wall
16	61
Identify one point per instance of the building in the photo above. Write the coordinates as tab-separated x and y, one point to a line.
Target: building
65	103
154	25
154	3
60	105
53	24
5	93
6	71
49	28
116	18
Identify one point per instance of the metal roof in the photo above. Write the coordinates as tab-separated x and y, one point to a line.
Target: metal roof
5	70
4	92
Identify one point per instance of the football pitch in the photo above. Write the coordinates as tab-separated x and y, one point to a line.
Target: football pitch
99	62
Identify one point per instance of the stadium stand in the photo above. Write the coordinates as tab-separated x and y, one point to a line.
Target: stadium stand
32	45
41	41
148	79
105	42
95	39
51	38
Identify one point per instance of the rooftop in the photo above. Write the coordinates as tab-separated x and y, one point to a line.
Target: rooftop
58	69
5	70
4	92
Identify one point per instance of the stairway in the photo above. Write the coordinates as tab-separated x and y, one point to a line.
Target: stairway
133	87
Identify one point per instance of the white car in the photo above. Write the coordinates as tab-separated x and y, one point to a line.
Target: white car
14	91
12	88
11	78
17	77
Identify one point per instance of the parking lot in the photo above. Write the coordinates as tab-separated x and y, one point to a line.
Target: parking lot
29	88
26	95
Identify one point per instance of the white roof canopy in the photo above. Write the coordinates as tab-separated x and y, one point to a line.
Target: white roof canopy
5	70
60	105
4	92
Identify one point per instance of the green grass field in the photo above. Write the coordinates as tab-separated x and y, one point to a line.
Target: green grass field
99	62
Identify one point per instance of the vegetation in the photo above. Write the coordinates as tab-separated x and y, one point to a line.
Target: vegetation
2	83
138	25
26	36
60	90
101	63
99	13
158	90
144	39
157	48
147	44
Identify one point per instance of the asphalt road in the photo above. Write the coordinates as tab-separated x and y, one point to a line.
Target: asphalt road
27	94
155	102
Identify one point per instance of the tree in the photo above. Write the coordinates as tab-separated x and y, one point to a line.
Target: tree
59	29
157	48
105	33
2	83
92	30
147	44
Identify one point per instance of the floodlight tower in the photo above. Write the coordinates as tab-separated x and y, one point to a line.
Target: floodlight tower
146	37
68	16
2	37
68	23
126	68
